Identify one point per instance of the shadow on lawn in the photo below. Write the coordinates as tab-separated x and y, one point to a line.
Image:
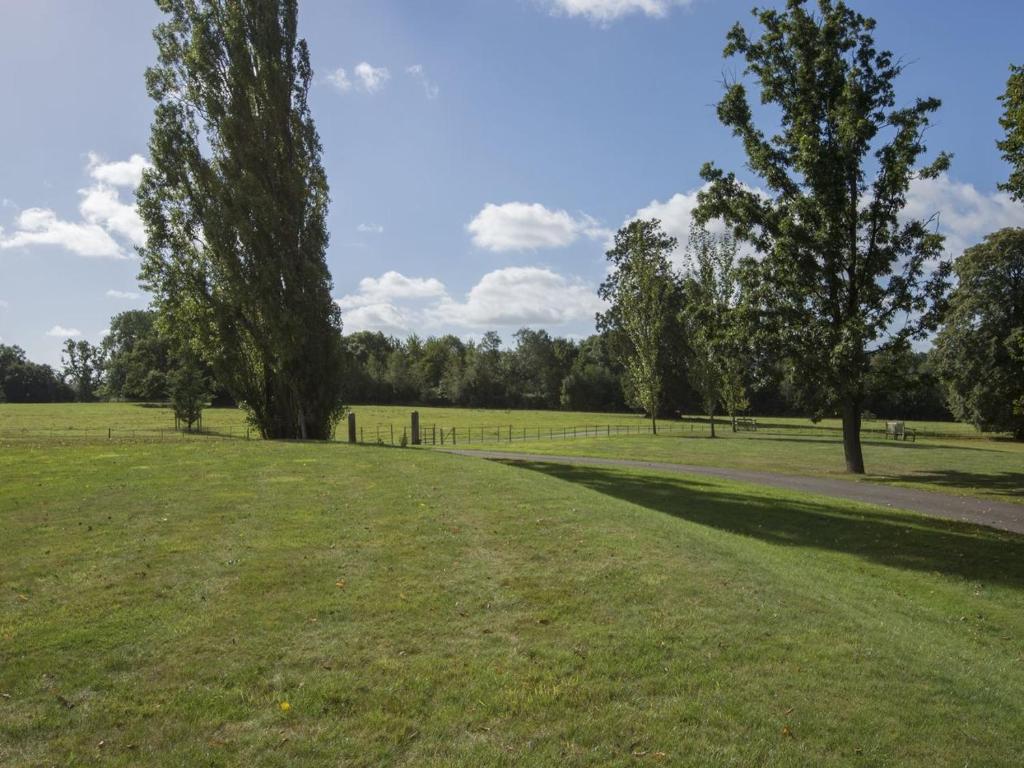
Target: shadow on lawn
898	539
872	440
1010	483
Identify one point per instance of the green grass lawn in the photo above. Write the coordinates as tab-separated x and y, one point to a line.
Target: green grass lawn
160	603
958	462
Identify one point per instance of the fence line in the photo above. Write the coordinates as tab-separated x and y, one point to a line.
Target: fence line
387	433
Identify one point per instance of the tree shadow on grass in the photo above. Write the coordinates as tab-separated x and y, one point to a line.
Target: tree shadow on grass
871	440
889	537
1010	483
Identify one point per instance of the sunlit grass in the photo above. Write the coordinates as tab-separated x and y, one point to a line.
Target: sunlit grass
161	603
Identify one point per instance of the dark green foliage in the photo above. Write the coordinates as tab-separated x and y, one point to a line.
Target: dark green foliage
235	208
980	350
594	381
189	390
1012	121
540	371
843	272
903	384
539	365
137	358
22	381
483	382
82	369
644	297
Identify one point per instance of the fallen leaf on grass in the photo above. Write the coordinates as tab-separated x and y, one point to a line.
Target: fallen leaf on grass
340	583
787	732
285	706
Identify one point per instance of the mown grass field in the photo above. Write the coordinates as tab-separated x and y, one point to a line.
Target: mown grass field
232	602
958	461
77	419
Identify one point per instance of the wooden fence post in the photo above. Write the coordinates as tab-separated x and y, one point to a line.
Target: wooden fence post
351	427
415	427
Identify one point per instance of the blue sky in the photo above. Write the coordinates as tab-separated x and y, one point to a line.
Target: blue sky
479	151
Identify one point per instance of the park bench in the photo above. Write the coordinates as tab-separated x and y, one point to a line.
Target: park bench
897	430
746	424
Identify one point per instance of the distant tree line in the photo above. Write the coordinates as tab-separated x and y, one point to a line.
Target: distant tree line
134	362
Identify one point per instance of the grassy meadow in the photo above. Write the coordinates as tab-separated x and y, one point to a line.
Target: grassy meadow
232	602
947	457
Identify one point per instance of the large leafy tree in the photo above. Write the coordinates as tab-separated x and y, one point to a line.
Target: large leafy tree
844	271
235	208
82	368
980	350
643	293
1012	121
711	318
137	357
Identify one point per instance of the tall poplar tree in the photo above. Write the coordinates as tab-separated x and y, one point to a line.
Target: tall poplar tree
235	206
844	270
643	293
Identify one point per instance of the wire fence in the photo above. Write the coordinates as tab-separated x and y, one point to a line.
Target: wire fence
392	434
476	435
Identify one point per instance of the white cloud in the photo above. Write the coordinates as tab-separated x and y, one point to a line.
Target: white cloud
375	229
377	291
372	78
676	217
526	226
108	225
430	88
510	297
517	296
4	304
102	205
339	79
384	317
64	333
40	226
965	215
126	295
605	11
126	173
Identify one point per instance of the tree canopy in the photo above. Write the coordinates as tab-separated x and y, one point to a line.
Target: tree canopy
980	349
643	293
843	270
234	207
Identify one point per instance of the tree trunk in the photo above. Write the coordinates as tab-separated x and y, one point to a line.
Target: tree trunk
654	422
712	415
851	438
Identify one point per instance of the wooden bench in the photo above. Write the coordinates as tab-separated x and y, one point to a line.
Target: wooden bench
897	430
746	424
